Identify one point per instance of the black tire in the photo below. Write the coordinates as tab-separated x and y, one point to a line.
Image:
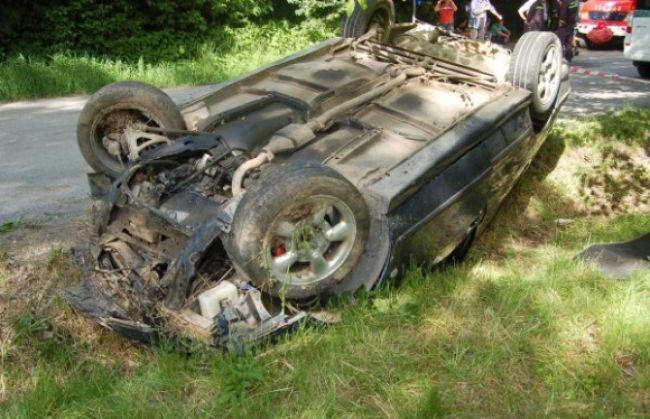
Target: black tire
288	192
376	12
115	107
643	68
589	44
530	52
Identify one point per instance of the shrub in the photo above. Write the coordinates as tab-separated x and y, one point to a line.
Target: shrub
158	30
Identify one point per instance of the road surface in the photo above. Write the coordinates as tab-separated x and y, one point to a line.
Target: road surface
603	81
42	173
41	170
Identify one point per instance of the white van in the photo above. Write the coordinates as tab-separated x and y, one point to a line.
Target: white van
637	40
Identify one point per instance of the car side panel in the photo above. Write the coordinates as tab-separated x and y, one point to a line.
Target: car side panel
436	218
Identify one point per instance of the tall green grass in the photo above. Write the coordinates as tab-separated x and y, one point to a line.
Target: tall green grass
521	329
233	52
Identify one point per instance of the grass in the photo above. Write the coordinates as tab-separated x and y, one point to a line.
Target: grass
235	51
521	329
7	227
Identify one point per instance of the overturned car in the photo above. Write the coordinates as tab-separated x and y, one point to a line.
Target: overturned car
233	217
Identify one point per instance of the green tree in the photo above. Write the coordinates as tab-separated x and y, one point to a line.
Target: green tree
159	30
329	10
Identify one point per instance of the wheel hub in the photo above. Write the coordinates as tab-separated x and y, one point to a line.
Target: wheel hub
549	75
122	134
310	241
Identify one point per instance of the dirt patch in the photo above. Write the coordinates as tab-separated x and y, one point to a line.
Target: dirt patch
36	263
615	180
585	181
31	241
39	260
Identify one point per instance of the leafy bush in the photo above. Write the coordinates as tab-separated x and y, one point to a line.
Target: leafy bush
327	10
230	52
158	30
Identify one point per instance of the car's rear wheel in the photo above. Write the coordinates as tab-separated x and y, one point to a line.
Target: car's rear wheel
113	109
299	231
536	65
378	14
643	69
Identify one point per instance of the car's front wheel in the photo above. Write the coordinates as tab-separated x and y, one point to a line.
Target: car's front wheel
376	14
536	65
299	231
104	122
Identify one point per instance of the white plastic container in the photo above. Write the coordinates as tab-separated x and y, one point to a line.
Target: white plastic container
210	300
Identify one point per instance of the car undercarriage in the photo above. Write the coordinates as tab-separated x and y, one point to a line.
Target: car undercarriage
237	217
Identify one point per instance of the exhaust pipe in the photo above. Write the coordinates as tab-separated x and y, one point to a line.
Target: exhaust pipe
296	135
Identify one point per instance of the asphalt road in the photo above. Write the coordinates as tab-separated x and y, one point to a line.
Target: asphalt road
611	84
42	173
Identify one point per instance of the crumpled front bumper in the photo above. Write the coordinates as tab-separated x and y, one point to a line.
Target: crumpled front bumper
127	292
237	327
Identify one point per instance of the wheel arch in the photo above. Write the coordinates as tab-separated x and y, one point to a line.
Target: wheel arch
286	192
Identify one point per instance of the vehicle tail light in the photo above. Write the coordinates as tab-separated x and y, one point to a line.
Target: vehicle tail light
628	29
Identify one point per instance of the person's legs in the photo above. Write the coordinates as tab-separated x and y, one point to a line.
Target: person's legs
566	38
449	27
568	16
481	28
536	21
473	27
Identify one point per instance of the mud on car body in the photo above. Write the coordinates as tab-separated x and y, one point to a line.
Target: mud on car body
235	216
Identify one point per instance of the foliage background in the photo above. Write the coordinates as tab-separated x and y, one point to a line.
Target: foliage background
126	29
63	47
166	30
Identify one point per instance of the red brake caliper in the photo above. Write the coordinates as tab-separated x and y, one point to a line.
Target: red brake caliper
279	250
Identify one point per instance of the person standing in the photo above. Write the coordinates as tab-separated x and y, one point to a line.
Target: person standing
478	18
567	19
446	10
499	34
535	14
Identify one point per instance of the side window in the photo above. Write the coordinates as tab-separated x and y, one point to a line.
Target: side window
643	5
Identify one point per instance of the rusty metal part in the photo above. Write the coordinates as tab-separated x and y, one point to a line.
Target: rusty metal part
265	156
169	131
137	141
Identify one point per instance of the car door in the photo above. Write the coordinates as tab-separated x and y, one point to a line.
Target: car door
637	41
441	214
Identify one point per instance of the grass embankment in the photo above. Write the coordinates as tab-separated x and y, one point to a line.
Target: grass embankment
521	329
235	51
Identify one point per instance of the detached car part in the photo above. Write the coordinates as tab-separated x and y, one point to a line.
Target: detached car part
619	260
235	216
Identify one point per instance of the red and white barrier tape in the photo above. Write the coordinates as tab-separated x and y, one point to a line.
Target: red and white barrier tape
586	72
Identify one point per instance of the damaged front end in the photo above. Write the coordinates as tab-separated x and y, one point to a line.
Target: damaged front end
299	181
160	262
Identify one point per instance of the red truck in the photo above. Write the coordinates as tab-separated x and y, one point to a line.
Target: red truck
604	21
